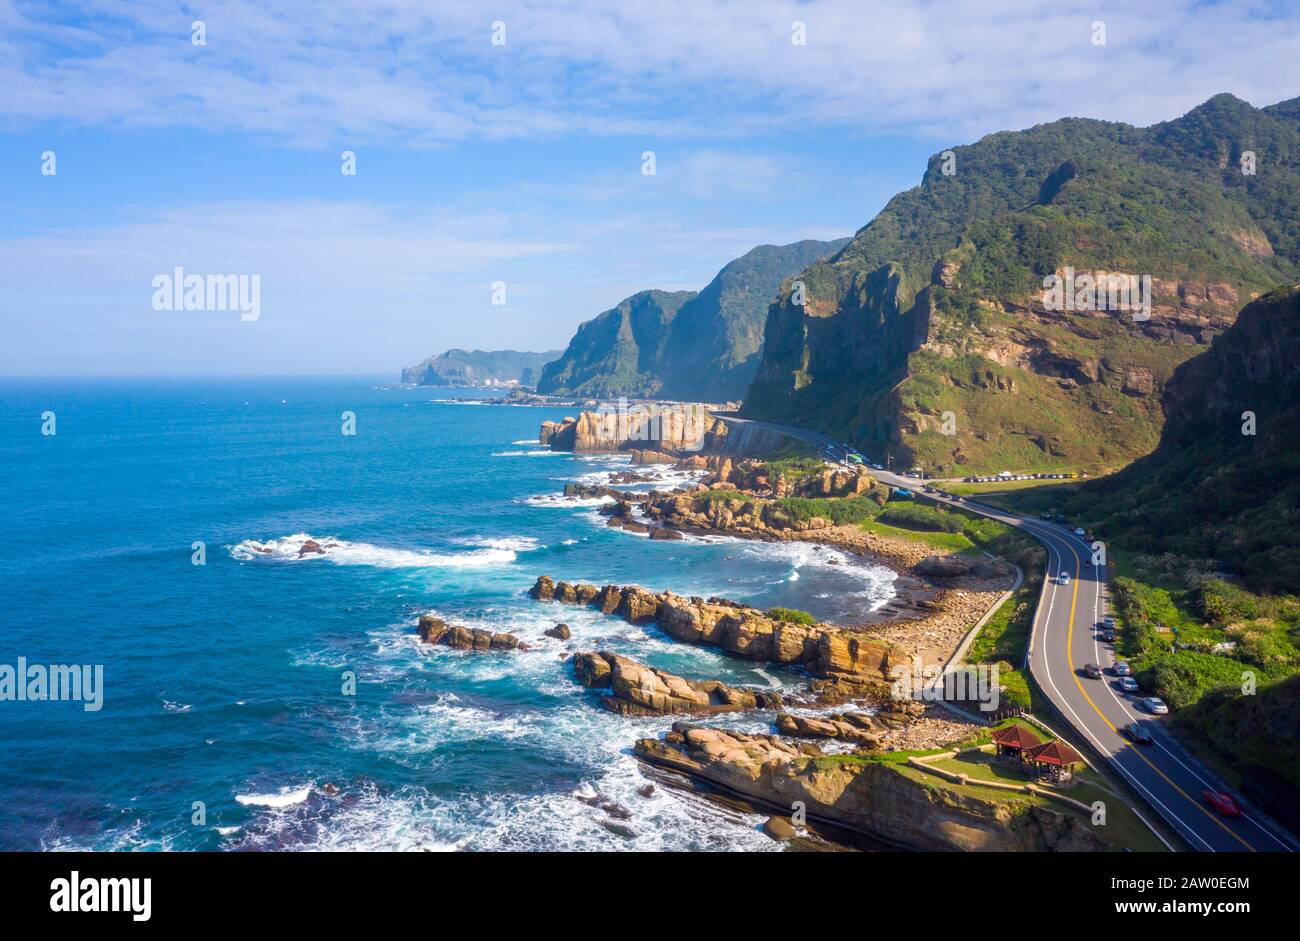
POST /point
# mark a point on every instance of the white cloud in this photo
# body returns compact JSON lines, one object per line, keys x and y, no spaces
{"x":345,"y":286}
{"x":421,"y":74}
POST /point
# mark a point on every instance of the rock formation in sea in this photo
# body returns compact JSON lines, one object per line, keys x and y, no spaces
{"x":738,"y":629}
{"x":434,"y":630}
{"x":640,"y":690}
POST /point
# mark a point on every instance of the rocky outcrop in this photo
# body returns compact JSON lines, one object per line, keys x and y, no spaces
{"x":737,"y":629}
{"x":434,"y":630}
{"x":755,"y":477}
{"x":869,"y":797}
{"x":639,"y":690}
{"x":559,"y":632}
{"x":312,"y":547}
{"x":660,"y":428}
{"x":862,"y":728}
{"x":954,"y":566}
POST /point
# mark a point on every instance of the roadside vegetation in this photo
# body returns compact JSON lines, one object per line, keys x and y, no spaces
{"x":1216,"y":654}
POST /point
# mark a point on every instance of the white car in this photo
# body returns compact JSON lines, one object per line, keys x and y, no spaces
{"x":1122,"y":668}
{"x":1078,"y":531}
{"x":1155,"y":705}
{"x":1128,"y":684}
{"x":1063,"y":578}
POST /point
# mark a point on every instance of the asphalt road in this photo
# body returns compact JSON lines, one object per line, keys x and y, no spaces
{"x":1066,"y":635}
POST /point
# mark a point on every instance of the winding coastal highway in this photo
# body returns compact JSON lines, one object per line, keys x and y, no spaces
{"x":1066,"y":635}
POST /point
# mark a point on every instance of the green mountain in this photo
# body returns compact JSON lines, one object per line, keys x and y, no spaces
{"x":478,"y":367}
{"x":1211,"y":491}
{"x":683,"y":345}
{"x":937,"y":306}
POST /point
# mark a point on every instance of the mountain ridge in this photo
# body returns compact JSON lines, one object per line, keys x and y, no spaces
{"x":934,"y":311}
{"x":457,"y":367}
{"x":684,"y":345}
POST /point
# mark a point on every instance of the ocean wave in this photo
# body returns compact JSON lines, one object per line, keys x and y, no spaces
{"x":560,"y":501}
{"x":285,"y":797}
{"x":343,"y":552}
{"x":535,"y":453}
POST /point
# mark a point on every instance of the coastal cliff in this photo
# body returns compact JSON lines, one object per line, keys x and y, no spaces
{"x":936,"y":308}
{"x":874,"y":798}
{"x":682,"y":345}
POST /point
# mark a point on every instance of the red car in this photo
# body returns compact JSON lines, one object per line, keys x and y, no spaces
{"x":1222,"y":802}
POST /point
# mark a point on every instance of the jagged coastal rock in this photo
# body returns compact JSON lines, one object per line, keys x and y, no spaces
{"x":735,"y":628}
{"x":639,"y":690}
{"x":434,"y":630}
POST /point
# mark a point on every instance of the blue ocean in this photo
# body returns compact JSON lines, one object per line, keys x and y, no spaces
{"x":227,"y":720}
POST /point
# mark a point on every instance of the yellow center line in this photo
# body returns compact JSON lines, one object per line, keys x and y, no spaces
{"x":1069,"y":656}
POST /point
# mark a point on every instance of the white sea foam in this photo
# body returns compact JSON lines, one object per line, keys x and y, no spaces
{"x":560,"y":501}
{"x":535,"y":453}
{"x":285,"y":797}
{"x":343,"y":552}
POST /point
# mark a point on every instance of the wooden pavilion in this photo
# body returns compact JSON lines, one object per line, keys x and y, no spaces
{"x":1013,"y":740}
{"x":1054,"y":760}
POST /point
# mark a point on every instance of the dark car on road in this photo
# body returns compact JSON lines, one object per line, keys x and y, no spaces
{"x":1092,"y":671}
{"x":1135,"y":734}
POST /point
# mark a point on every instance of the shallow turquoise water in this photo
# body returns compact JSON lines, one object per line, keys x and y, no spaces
{"x":223,"y":682}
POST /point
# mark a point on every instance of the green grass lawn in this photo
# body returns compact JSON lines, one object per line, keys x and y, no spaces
{"x":953,"y":542}
{"x":1123,"y":828}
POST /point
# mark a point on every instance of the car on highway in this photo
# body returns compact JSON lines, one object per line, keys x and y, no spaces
{"x":1136,"y":734}
{"x":1128,"y":684}
{"x":1122,"y":668}
{"x":1223,"y":802}
{"x":1078,"y":530}
{"x":1108,"y":622}
{"x":1155,"y":705}
{"x":1063,"y":578}
{"x":1108,"y":636}
{"x":1092,"y":671}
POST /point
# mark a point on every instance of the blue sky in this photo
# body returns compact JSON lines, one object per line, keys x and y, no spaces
{"x":518,"y":162}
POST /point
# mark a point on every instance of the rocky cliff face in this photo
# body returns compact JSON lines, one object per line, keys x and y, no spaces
{"x":869,"y":797}
{"x":928,"y":339}
{"x":683,"y":345}
{"x":657,"y":428}
{"x":1224,"y":483}
{"x":478,"y":368}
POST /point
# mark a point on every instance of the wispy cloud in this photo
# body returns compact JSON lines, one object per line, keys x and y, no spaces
{"x":419,"y":74}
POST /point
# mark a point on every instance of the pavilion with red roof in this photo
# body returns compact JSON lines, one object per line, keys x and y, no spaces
{"x":1013,"y":740}
{"x":1053,"y":759}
